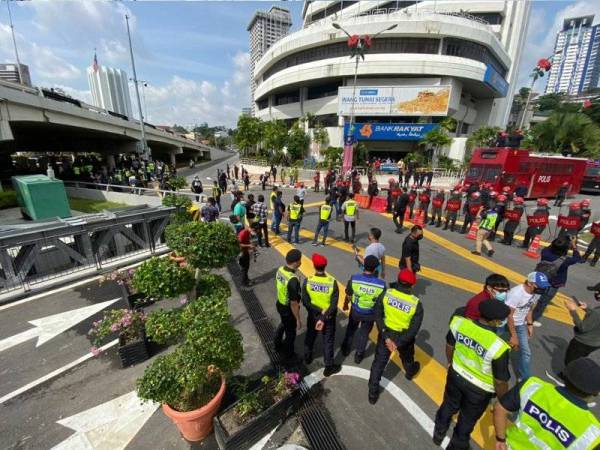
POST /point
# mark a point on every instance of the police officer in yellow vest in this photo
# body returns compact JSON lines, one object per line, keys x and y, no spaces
{"x":363,"y":289}
{"x":288,"y":304}
{"x":295,"y":212}
{"x":350,"y":210}
{"x":324,"y":219}
{"x":399,"y":315}
{"x":320,"y":297}
{"x":478,"y":370}
{"x":551,"y":417}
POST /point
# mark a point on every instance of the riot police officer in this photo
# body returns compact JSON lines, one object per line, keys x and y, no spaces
{"x":320,"y":297}
{"x":551,"y":417}
{"x":424,"y":200}
{"x":436,"y":208}
{"x":473,"y":206}
{"x":561,"y":195}
{"x":362,"y":290}
{"x":479,"y":361}
{"x":399,"y":315}
{"x":511,"y":224}
{"x":574,"y":211}
{"x":500,"y":206}
{"x":452,"y":207}
{"x":541,"y":210}
{"x":288,"y":303}
{"x":586,"y":213}
{"x":412,"y":197}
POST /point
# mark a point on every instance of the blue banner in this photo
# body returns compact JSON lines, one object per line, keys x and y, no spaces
{"x":390,"y":131}
{"x":496,"y":81}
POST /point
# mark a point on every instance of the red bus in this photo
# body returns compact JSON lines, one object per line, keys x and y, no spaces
{"x":591,"y":179}
{"x":536,"y":174}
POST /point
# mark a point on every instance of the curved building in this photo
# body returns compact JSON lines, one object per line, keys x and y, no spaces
{"x":438,"y":61}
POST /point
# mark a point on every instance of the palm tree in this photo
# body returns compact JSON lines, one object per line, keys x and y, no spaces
{"x":435,"y":140}
{"x":567,"y":133}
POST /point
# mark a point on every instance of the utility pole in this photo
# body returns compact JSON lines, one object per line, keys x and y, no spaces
{"x":145,"y":148}
{"x":12,"y":30}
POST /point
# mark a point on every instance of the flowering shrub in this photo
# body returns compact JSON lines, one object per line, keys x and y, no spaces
{"x":353,"y":41}
{"x":161,"y":278}
{"x":544,"y":64}
{"x":128,"y":323}
{"x":121,"y":277}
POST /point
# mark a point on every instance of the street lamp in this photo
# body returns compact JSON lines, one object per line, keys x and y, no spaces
{"x":144,"y":84}
{"x":358,"y":46}
{"x":12,"y":30}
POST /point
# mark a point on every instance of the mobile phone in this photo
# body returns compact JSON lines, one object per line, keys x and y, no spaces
{"x":576,"y":300}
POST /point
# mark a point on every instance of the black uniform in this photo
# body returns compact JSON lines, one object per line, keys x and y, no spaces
{"x":451,"y":215}
{"x":328,"y":331}
{"x":412,"y":194}
{"x":424,"y":200}
{"x":571,"y":231}
{"x":561,"y":195}
{"x":500,"y":207}
{"x":288,"y":323}
{"x":404,"y":340}
{"x":533,"y":231}
{"x":436,"y":211}
{"x":511,"y":225}
{"x":470,"y":216}
{"x":594,"y":248}
{"x":400,"y":210}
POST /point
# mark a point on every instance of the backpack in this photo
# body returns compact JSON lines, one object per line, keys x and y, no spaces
{"x":549,"y":268}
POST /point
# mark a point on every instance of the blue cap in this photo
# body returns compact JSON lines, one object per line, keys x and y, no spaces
{"x":540,"y":279}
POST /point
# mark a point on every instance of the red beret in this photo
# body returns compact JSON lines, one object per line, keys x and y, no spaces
{"x":319,"y":261}
{"x":407,"y":276}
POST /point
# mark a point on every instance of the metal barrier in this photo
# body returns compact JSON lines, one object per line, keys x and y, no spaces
{"x":37,"y":252}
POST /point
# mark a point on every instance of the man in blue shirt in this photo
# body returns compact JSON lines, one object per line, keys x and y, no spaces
{"x":278,"y":211}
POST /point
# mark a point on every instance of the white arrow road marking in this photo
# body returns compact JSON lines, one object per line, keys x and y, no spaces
{"x":109,"y":426}
{"x":48,"y":327}
{"x":409,"y":405}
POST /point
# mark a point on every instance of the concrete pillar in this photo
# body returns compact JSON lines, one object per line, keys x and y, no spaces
{"x":110,"y":162}
{"x":172,"y":155}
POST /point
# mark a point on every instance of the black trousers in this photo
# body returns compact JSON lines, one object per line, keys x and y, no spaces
{"x":594,"y":248}
{"x":424,"y":207}
{"x":245,"y":265}
{"x":358,"y":322}
{"x":530,"y":234}
{"x":353,"y":226}
{"x":382,"y":355}
{"x":470,"y":403}
{"x":436,"y":213}
{"x":577,"y":350}
{"x":262,"y":231}
{"x":398,"y":218}
{"x":285,"y":335}
{"x":492,"y":234}
{"x":450,"y":220}
{"x":467,"y":223}
{"x":509,"y":231}
{"x":328,"y":333}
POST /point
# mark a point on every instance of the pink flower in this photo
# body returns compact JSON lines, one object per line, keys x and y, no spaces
{"x":114,"y":327}
{"x":353,"y":41}
{"x":95,"y":351}
{"x":183,"y":301}
{"x":544,"y":64}
{"x":587,"y":104}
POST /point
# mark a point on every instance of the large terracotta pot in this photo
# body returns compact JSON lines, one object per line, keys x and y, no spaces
{"x":197,"y":424}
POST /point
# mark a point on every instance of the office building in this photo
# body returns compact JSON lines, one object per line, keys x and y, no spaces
{"x":575,"y":62}
{"x":439,"y":61}
{"x":265,"y":29}
{"x":10,"y":72}
{"x":110,"y":89}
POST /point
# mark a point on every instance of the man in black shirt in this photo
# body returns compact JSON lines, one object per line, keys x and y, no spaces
{"x":400,"y":210}
{"x":410,"y":250}
{"x":288,"y":303}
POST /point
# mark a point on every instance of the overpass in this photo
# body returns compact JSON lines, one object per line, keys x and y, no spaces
{"x":39,"y":120}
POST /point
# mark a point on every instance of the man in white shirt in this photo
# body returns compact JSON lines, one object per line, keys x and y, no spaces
{"x":301,"y":193}
{"x":522,"y":299}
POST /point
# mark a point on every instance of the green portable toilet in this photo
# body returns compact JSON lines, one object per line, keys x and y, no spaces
{"x":41,"y":197}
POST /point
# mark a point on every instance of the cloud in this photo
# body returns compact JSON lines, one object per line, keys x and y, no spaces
{"x":540,"y":40}
{"x":241,"y":74}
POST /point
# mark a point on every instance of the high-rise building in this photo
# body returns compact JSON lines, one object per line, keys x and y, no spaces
{"x":265,"y":29}
{"x":10,"y":72}
{"x":110,"y":89}
{"x":576,"y":63}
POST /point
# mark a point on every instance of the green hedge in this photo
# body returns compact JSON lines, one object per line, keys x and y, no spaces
{"x":8,"y":199}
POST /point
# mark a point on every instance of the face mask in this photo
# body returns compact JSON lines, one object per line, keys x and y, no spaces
{"x":419,"y":237}
{"x":500,"y":296}
{"x":539,"y":291}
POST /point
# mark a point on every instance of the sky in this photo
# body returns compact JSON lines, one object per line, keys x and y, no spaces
{"x":193,"y":54}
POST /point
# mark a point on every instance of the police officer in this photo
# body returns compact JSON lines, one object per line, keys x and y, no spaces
{"x":473,"y":206}
{"x":324,"y":219}
{"x":412,"y":197}
{"x":454,"y":201}
{"x":550,"y":417}
{"x":500,"y":206}
{"x":320,"y":297}
{"x":561,"y":195}
{"x":586,"y":213}
{"x":295,"y":212}
{"x":216,"y":194}
{"x":485,"y":194}
{"x":574,"y":211}
{"x":478,"y":369}
{"x":436,"y":208}
{"x":507,"y":192}
{"x":511,"y":225}
{"x":362,"y":290}
{"x":350,"y":210}
{"x":424,"y":200}
{"x":541,"y":210}
{"x":399,"y":315}
{"x":593,"y":247}
{"x":288,"y":303}
{"x":400,"y":209}
{"x":489,"y":216}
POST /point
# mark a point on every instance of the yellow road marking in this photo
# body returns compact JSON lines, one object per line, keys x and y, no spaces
{"x":431,"y":379}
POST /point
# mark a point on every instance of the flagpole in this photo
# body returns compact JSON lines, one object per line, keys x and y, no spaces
{"x":145,"y":148}
{"x":12,"y":30}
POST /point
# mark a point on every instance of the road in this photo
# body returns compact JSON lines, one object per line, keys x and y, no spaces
{"x":33,"y":403}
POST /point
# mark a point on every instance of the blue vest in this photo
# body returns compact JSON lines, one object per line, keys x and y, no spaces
{"x":367,"y":280}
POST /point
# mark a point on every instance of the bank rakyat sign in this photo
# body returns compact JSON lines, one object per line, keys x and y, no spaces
{"x":390,"y":131}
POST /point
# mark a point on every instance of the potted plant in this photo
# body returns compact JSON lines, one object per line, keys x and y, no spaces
{"x":258,"y":411}
{"x":129,"y":324}
{"x":124,"y":278}
{"x":190,"y":381}
{"x":160,"y":278}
